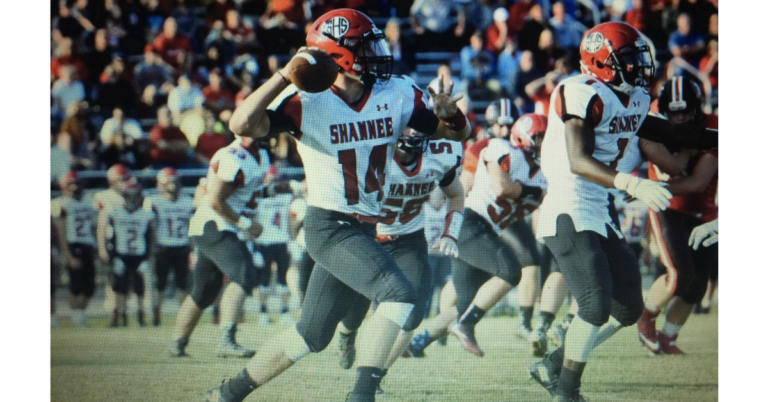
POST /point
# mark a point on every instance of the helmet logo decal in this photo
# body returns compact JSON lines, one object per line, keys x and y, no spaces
{"x":526,"y":124}
{"x":336,"y":27}
{"x":593,"y":42}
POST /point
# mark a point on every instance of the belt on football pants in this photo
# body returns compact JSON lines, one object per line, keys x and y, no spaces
{"x":365,"y":218}
{"x":384,"y":239}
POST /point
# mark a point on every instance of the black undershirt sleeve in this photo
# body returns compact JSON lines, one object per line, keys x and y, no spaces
{"x":663,"y":131}
{"x":424,"y":121}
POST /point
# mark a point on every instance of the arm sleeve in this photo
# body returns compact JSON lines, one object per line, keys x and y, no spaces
{"x":576,"y":100}
{"x":682,"y":135}
{"x":450,"y":175}
{"x":422,"y":119}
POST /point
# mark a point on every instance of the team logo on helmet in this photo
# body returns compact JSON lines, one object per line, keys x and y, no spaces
{"x":336,"y":27}
{"x":593,"y":42}
{"x":526,"y":123}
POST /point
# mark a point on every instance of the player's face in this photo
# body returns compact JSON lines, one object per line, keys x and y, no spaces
{"x":133,"y":202}
{"x":501,"y":130}
{"x":680,"y":117}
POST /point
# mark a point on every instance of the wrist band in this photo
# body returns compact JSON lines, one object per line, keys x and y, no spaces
{"x":530,"y":191}
{"x":244,"y":223}
{"x":453,"y":223}
{"x":284,"y":79}
{"x":456,"y":122}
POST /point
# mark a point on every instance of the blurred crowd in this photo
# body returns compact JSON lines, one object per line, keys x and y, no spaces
{"x":152,"y":83}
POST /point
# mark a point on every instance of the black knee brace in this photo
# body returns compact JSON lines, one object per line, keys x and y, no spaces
{"x":204,"y":291}
{"x":595,"y":308}
{"x":394,"y":287}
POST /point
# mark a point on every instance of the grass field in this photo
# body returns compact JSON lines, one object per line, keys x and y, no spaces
{"x":128,"y":364}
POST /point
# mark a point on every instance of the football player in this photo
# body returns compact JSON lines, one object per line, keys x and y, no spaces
{"x":233,"y":185}
{"x":688,"y":270}
{"x":420,"y":167}
{"x":132,"y":242}
{"x":592,"y":118}
{"x":75,"y":222}
{"x":172,"y":213}
{"x":346,"y":138}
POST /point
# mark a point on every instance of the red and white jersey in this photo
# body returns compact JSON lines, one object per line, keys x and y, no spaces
{"x":616,"y":121}
{"x":434,"y":224}
{"x":346,"y":149}
{"x":130,"y":230}
{"x":172,"y":219}
{"x":80,"y":218}
{"x":408,"y":190}
{"x":232,"y":163}
{"x":521,"y":168}
{"x":106,"y":199}
{"x":273,"y":216}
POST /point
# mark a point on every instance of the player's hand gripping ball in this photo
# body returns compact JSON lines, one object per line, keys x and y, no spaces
{"x":312,"y":70}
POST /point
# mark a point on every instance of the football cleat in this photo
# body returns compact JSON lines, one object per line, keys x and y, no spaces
{"x":347,"y":351}
{"x":215,"y":395}
{"x":646,"y":329}
{"x":546,"y":373}
{"x":228,"y":348}
{"x":466,"y":335}
{"x":556,"y":335}
{"x":538,"y":341}
{"x":523,"y":332}
{"x":178,"y":348}
{"x":668,"y":344}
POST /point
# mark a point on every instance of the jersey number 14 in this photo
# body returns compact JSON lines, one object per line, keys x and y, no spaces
{"x":374,"y":175}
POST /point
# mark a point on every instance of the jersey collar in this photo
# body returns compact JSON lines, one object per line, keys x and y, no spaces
{"x":407,"y":171}
{"x":359,"y":105}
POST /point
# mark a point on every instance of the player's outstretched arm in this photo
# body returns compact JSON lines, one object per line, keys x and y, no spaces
{"x":448,"y":242}
{"x":660,"y":130}
{"x":453,"y":124}
{"x":659,"y":155}
{"x":697,"y":182}
{"x":101,"y":236}
{"x":221,"y":191}
{"x":501,"y":185}
{"x":250,"y":118}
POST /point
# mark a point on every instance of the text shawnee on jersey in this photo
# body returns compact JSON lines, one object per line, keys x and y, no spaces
{"x":407,"y":191}
{"x":80,"y":217}
{"x":346,"y":149}
{"x":232,"y":163}
{"x":499,"y":211}
{"x":172,"y":219}
{"x":615,"y":124}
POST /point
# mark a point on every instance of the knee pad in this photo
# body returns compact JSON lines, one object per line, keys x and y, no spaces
{"x":628,"y":315}
{"x":416,"y":316}
{"x":294,"y":345}
{"x":204,"y":294}
{"x":509,"y":272}
{"x":595,"y":308}
{"x":396,"y":312}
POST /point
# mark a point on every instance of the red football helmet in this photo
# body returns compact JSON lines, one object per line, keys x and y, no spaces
{"x":353,"y":40}
{"x":528,"y":133}
{"x":68,"y":178}
{"x":168,"y":180}
{"x":617,"y":54}
{"x":118,"y":173}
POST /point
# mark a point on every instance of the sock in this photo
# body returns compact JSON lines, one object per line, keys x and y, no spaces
{"x":607,"y":330}
{"x":472,"y":316}
{"x":238,"y":387}
{"x":570,"y":382}
{"x":580,"y":340}
{"x":422,"y":340}
{"x":670,"y":329}
{"x":368,"y":379}
{"x":546,"y":320}
{"x":228,"y":329}
{"x":527,"y":313}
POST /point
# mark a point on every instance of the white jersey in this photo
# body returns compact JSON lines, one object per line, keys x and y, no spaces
{"x":80,"y":218}
{"x":232,"y":163}
{"x":130,"y":229}
{"x":273,"y":216}
{"x":616,"y":123}
{"x":408,"y":190}
{"x":519,"y":167}
{"x":106,"y":199}
{"x":434,"y":224}
{"x":172,"y":219}
{"x":346,"y":149}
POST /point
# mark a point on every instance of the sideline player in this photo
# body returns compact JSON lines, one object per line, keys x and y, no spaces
{"x":592,"y":118}
{"x":132,"y":240}
{"x":172,"y":213}
{"x":233,"y":184}
{"x":420,"y":167}
{"x":75,"y":220}
{"x":347,"y":136}
{"x":688,"y":270}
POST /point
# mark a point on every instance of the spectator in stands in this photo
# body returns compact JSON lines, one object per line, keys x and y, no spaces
{"x":435,"y":28}
{"x":66,"y":56}
{"x":280,"y":35}
{"x":153,"y":70}
{"x":59,"y":156}
{"x":124,"y":149}
{"x":497,"y":33}
{"x":120,"y":122}
{"x":568,"y":30}
{"x":686,"y":43}
{"x":77,"y":134}
{"x":169,"y":145}
{"x":99,"y":57}
{"x":291,"y":10}
{"x":148,"y":103}
{"x":528,"y":72}
{"x":616,"y":9}
{"x":184,"y":97}
{"x":184,"y":18}
{"x":218,"y":97}
{"x":239,"y":33}
{"x":540,"y":91}
{"x":535,"y":24}
{"x":245,"y":90}
{"x":637,"y":15}
{"x":225,"y":49}
{"x":69,"y":24}
{"x":65,"y":91}
{"x":132,"y":20}
{"x":213,"y":139}
{"x":477,"y":14}
{"x":699,"y":12}
{"x":477,"y":68}
{"x":547,"y":52}
{"x":174,"y":48}
{"x":444,"y":72}
{"x":217,"y":10}
{"x":402,"y":48}
{"x":114,"y":91}
{"x":518,"y":12}
{"x":508,"y":65}
{"x":708,"y":67}
{"x":712,"y":30}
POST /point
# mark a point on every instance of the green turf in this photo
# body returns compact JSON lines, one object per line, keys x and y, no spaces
{"x":129,"y":364}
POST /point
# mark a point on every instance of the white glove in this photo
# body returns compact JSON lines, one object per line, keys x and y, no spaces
{"x":704,"y":234}
{"x":447,"y":246}
{"x":653,"y":193}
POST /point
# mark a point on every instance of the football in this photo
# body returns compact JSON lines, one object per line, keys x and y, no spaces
{"x":313,"y":71}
